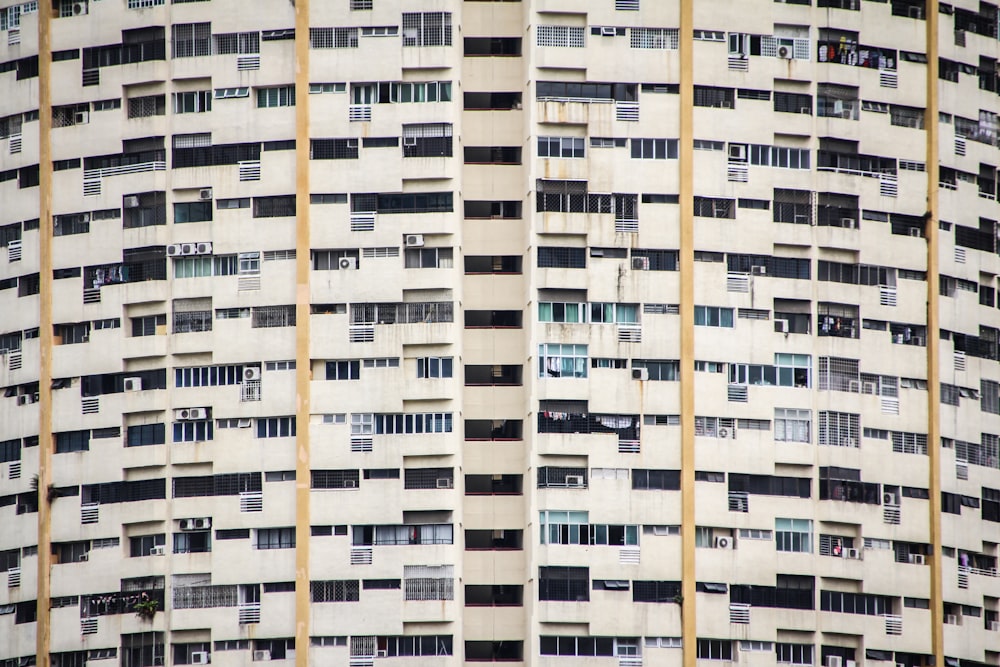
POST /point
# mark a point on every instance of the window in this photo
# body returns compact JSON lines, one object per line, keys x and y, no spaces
{"x":654,"y":149}
{"x":343,"y":370}
{"x":564,"y":584}
{"x":792,"y":425}
{"x":715,"y":649}
{"x":146,"y":434}
{"x":656,"y":591}
{"x":275,"y":538}
{"x":793,"y":535}
{"x":571,"y":147}
{"x":709,"y":96}
{"x":841,"y":429}
{"x":559,"y":35}
{"x":434,"y":367}
{"x":193,"y":431}
{"x":334,"y":591}
{"x":147,"y":106}
{"x":427,"y":29}
{"x":281,"y":96}
{"x":143,"y":545}
{"x":666,"y":371}
{"x":562,"y":257}
{"x":794,"y":206}
{"x":562,"y":360}
{"x":658,"y":480}
{"x":195,"y":211}
{"x":333,"y":38}
{"x":428,"y":258}
{"x":714,"y":207}
{"x":427,"y":140}
{"x":794,"y":654}
{"x":275,"y":427}
{"x":713,"y":316}
{"x":793,"y":103}
{"x":191,"y":39}
{"x":198,"y":101}
{"x":195,"y":542}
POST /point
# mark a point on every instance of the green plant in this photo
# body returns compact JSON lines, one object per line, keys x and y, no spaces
{"x":145,"y":608}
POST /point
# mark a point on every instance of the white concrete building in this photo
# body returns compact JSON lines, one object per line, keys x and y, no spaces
{"x":597,"y":332}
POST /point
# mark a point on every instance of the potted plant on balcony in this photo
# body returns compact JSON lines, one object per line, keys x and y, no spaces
{"x":145,"y":608}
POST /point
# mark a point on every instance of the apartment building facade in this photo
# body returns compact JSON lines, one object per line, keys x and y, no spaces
{"x":398,"y":332}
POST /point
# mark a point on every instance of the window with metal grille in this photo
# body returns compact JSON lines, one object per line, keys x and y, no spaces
{"x":335,"y":479}
{"x":333,"y":38}
{"x":841,"y":429}
{"x":794,"y":206}
{"x":191,"y":39}
{"x":427,"y":29}
{"x":714,"y":207}
{"x":236,"y":43}
{"x":142,"y":649}
{"x":656,"y":591}
{"x":837,"y":101}
{"x":333,"y":149}
{"x":144,"y":210}
{"x":560,"y":257}
{"x":560,"y":35}
{"x":839,"y":374}
{"x":564,"y":584}
{"x":654,"y":38}
{"x":361,"y":4}
{"x":262,"y":317}
{"x":427,"y":140}
{"x":558,"y":477}
{"x":428,"y":478}
{"x":793,"y":103}
{"x":280,"y":96}
{"x":657,"y":260}
{"x":709,"y":96}
{"x":226,"y":484}
{"x":274,"y":207}
{"x":191,"y":315}
{"x":334,"y":591}
{"x":429,"y":582}
{"x":67,"y":225}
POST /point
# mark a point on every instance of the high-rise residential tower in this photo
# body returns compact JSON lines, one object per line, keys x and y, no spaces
{"x":552,"y":332}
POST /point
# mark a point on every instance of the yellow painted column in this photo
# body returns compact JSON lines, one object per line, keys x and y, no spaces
{"x":686,"y":261}
{"x":45,"y":336}
{"x":303,"y":371}
{"x":933,"y":336}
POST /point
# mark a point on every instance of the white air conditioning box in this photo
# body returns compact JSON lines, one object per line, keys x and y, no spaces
{"x":132,"y":384}
{"x":723,"y":542}
{"x":205,"y":194}
{"x":347,"y":263}
{"x":173,"y":250}
{"x":574,"y":480}
{"x":443,"y":483}
{"x":640,"y":374}
{"x":189,"y":414}
{"x":203,"y":248}
{"x":199,"y":657}
{"x":131,"y":201}
{"x":189,"y":248}
{"x":159,"y":550}
{"x":414,"y":240}
{"x":251,"y":373}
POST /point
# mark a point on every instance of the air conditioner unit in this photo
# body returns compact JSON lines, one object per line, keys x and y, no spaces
{"x":81,"y":117}
{"x":640,"y":263}
{"x":641,"y":374}
{"x":34,"y":397}
{"x":889,"y":498}
{"x":951,"y":619}
{"x":852,"y":553}
{"x":83,"y":558}
{"x":132,"y":384}
{"x":917,"y":559}
{"x":723,"y":432}
{"x":350,"y":484}
{"x":726,"y":104}
{"x":23,"y":399}
{"x":850,"y":663}
{"x":188,"y":414}
{"x":205,"y":193}
{"x":574,"y":480}
{"x":79,"y":8}
{"x":443,"y":483}
{"x":345,"y":263}
{"x":189,"y":248}
{"x":131,"y":201}
{"x":251,"y":373}
{"x":758,"y":270}
{"x":414,"y":240}
{"x":993,"y":626}
{"x":187,"y":524}
{"x":806,"y":110}
{"x":801,"y":219}
{"x":784,"y":52}
{"x":158,"y":551}
{"x":203,"y":524}
{"x":608,"y":31}
{"x":867,"y":387}
{"x":723,"y":542}
{"x":173,"y":249}
{"x":834,"y":661}
{"x":382,"y":653}
{"x":261,"y":655}
{"x":738,"y":152}
{"x":409,"y":141}
{"x":199,"y":657}
{"x":915,"y":231}
{"x":203,"y":248}
{"x":847,"y":223}
{"x":781,"y":326}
